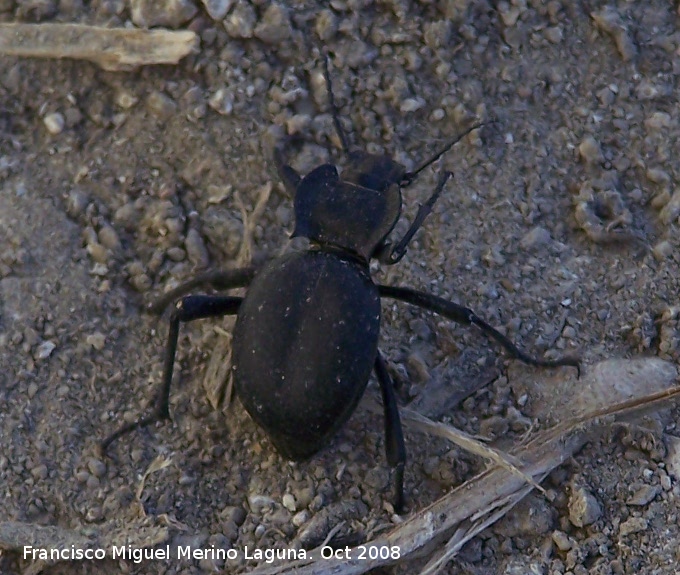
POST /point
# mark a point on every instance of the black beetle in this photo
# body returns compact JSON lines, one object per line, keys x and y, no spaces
{"x":306,"y":335}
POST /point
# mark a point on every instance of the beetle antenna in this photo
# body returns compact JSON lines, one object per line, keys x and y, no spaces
{"x":409,"y":177}
{"x":334,"y":109}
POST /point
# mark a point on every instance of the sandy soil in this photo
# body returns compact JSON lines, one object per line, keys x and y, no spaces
{"x":560,"y":228}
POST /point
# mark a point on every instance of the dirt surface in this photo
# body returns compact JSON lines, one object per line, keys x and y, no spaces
{"x":560,"y":228}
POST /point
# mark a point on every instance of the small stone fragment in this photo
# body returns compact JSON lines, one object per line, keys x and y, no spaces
{"x":658,"y":176}
{"x":222,"y":101}
{"x":97,"y":340}
{"x":662,"y":250}
{"x":326,"y":25}
{"x":411,"y":105}
{"x":160,"y":105}
{"x":44,"y":350}
{"x":168,"y":13}
{"x":589,"y":149}
{"x":54,"y":123}
{"x":125,"y":99}
{"x":644,"y":495}
{"x":196,"y":250}
{"x":562,"y":540}
{"x":671,"y":210}
{"x":669,"y":333}
{"x":275,"y":26}
{"x":584,"y":509}
{"x":108,"y":237}
{"x":258,"y":503}
{"x":241,"y":22}
{"x":535,"y":238}
{"x":554,"y":34}
{"x":657,"y":121}
{"x":437,"y":34}
{"x":633,"y":525}
{"x":609,"y":21}
{"x":96,"y":467}
{"x":217,"y":9}
{"x":76,"y":202}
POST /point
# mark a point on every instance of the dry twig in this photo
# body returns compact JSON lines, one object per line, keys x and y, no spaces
{"x":111,"y":48}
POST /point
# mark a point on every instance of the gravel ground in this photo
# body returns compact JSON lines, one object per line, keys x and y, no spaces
{"x":560,"y":228}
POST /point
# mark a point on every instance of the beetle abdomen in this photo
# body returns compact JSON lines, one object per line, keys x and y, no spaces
{"x":305,"y":342}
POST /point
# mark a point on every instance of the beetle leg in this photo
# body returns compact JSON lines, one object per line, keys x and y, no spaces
{"x":399,"y":250}
{"x":290,"y":178}
{"x":187,"y":309}
{"x":394,"y":436}
{"x":220,"y":280}
{"x":466,"y":316}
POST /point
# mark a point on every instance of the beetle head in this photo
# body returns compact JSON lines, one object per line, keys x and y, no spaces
{"x":372,"y":171}
{"x":355,"y":213}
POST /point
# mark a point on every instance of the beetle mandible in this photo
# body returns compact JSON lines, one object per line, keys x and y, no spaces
{"x":306,"y":335}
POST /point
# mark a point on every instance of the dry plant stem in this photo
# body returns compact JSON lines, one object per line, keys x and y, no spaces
{"x":415,"y":420}
{"x":476,"y":504}
{"x":421,"y":423}
{"x":111,"y":48}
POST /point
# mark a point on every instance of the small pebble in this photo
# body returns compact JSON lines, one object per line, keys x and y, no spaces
{"x":274,"y":27}
{"x":644,"y":495}
{"x":584,"y":509}
{"x":657,"y":121}
{"x":196,"y":250}
{"x":125,"y":99}
{"x":509,"y":14}
{"x":671,"y":210}
{"x":108,"y":237}
{"x":554,"y":34}
{"x":98,"y":252}
{"x":535,"y":238}
{"x":633,"y":525}
{"x":301,"y":518}
{"x":32,"y":390}
{"x":222,"y":101}
{"x":657,"y":175}
{"x":241,"y":21}
{"x":561,"y":539}
{"x":410,"y":105}
{"x":39,"y":471}
{"x":589,"y":150}
{"x":217,"y":9}
{"x":44,"y":350}
{"x":665,"y":481}
{"x":437,"y":34}
{"x":662,"y":250}
{"x":258,"y":503}
{"x":127,"y":216}
{"x":326,"y":25}
{"x":609,"y":20}
{"x":54,"y":123}
{"x":234,"y":513}
{"x":96,"y":467}
{"x":97,"y":340}
{"x":170,"y":13}
{"x":76,"y":202}
{"x":569,"y":332}
{"x":160,"y":105}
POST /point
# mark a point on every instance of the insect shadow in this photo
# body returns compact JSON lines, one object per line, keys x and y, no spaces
{"x":306,"y":335}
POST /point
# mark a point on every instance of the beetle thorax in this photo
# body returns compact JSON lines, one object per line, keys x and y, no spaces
{"x":354,"y":213}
